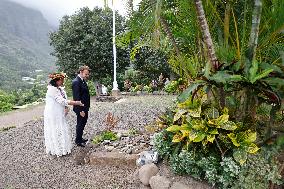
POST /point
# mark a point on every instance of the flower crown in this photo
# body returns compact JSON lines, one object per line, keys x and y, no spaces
{"x":57,"y":75}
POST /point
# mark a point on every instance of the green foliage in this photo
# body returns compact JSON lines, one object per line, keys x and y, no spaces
{"x":85,"y":38}
{"x":6,"y":101}
{"x":258,"y":171}
{"x":147,"y":89}
{"x":105,"y":135}
{"x":163,"y":143}
{"x":171,"y":87}
{"x":151,"y":63}
{"x":195,"y":122}
{"x":92,"y":89}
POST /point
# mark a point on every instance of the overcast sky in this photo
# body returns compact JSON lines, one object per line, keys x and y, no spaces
{"x":53,"y":10}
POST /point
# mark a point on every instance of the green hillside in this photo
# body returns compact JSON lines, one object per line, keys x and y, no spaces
{"x":24,"y":45}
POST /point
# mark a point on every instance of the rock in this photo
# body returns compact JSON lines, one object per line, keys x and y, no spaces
{"x":112,"y":159}
{"x":115,"y":144}
{"x":129,"y":151}
{"x":118,"y":135}
{"x":146,"y":172}
{"x":159,"y":182}
{"x":106,"y":142}
{"x":147,"y":157}
{"x":109,"y":148}
{"x":179,"y":185}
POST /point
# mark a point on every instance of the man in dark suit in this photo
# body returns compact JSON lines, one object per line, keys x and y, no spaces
{"x":81,"y":93}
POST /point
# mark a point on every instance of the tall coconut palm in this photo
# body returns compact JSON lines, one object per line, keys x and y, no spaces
{"x":206,"y":34}
{"x":254,"y":30}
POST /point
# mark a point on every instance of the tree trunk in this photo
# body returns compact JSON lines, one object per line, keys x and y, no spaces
{"x":105,"y":4}
{"x":170,"y":35}
{"x":129,"y":7}
{"x":254,"y":30}
{"x":206,"y":34}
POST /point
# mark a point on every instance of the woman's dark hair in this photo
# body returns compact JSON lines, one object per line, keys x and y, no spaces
{"x":53,"y":82}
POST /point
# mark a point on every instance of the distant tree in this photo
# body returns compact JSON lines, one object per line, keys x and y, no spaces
{"x":151,"y":63}
{"x":85,"y":38}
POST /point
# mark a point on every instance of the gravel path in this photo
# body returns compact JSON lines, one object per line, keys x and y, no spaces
{"x":24,"y":163}
{"x":18,"y":118}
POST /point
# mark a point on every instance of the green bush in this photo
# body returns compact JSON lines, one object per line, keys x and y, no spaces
{"x":171,"y":87}
{"x":6,"y":101}
{"x":147,"y":89}
{"x":200,"y":140}
{"x":105,"y":135}
{"x":258,"y":171}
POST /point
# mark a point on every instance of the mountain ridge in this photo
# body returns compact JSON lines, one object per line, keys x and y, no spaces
{"x":24,"y":45}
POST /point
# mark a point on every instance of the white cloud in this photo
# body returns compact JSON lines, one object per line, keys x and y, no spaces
{"x":53,"y":10}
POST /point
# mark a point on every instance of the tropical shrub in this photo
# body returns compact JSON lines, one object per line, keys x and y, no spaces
{"x":171,"y":87}
{"x":6,"y":101}
{"x":147,"y":89}
{"x":105,"y":135}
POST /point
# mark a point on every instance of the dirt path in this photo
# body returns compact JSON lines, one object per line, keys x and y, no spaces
{"x":18,"y":118}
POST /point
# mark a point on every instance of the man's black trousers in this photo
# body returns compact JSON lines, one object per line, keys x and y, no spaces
{"x":81,"y":122}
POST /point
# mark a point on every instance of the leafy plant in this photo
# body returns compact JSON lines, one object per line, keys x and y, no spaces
{"x":172,"y":87}
{"x":195,"y":122}
{"x":105,"y":135}
{"x":111,"y":121}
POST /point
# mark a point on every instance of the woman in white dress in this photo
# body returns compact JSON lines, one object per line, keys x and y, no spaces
{"x":57,"y":134}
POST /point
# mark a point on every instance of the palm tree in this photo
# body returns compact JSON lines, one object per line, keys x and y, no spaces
{"x":254,"y":30}
{"x":206,"y":34}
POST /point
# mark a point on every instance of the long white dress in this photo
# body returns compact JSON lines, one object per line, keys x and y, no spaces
{"x":57,"y":134}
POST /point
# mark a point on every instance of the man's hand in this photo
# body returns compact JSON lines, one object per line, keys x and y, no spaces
{"x":82,"y":113}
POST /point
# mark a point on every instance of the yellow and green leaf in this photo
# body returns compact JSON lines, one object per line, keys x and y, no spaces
{"x":252,"y":148}
{"x":233,"y":138}
{"x":174,"y":128}
{"x":229,"y":125}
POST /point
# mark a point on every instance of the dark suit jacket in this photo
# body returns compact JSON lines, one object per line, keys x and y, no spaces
{"x":80,"y":93}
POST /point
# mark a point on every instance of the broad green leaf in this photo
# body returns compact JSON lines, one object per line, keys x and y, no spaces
{"x":213,"y":132}
{"x":279,"y":82}
{"x":266,"y":66}
{"x":199,"y":137}
{"x":212,"y":113}
{"x":211,"y":138}
{"x":179,"y":113}
{"x":185,"y":127}
{"x":253,"y":70}
{"x":224,"y":77}
{"x":250,"y":137}
{"x":192,"y":135}
{"x":229,"y":125}
{"x":265,"y":73}
{"x":187,"y":93}
{"x":173,"y":128}
{"x":195,"y":112}
{"x":185,"y":133}
{"x":252,"y":148}
{"x":233,"y":138}
{"x":240,"y":156}
{"x":198,"y":125}
{"x":219,"y":121}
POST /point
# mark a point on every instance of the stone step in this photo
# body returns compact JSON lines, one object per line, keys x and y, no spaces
{"x":113,"y":159}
